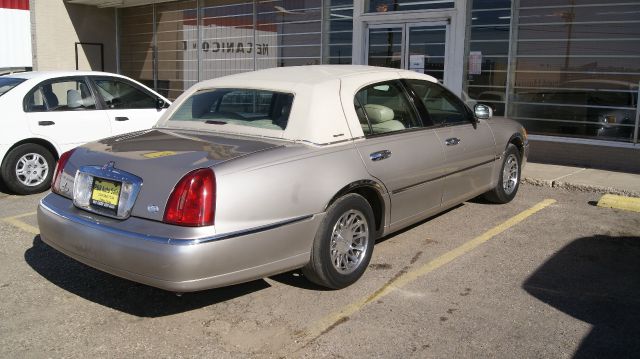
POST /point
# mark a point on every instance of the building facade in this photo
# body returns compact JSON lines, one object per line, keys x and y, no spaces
{"x":563,"y":68}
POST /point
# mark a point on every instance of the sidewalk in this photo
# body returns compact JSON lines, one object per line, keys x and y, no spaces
{"x":582,"y":179}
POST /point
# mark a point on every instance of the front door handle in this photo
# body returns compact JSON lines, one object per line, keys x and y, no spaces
{"x":46,"y":123}
{"x":380,"y":155}
{"x":122,"y":119}
{"x":452,"y":141}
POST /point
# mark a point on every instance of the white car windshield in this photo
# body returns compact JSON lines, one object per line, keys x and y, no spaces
{"x":245,"y":107}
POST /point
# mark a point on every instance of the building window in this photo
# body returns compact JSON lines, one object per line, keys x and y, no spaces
{"x":406,"y":5}
{"x":573,"y":69}
{"x":191,"y":41}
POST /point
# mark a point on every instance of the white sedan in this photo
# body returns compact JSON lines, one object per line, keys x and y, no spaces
{"x":44,"y":114}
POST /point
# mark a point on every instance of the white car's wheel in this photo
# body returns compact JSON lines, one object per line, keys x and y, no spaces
{"x":28,"y":169}
{"x":343,"y":245}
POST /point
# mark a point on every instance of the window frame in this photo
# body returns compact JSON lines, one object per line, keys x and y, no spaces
{"x":85,"y":79}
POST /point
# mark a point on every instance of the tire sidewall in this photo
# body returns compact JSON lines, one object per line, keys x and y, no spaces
{"x":323,"y":240}
{"x":9,"y":165}
{"x":504,"y":197}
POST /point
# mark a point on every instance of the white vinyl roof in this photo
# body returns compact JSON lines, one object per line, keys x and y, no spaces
{"x":322,"y":111}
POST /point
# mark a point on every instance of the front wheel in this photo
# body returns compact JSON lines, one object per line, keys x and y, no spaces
{"x":509,"y":180}
{"x":343,"y":244}
{"x":28,"y":168}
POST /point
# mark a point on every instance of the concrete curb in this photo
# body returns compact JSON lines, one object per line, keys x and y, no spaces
{"x":579,"y":187}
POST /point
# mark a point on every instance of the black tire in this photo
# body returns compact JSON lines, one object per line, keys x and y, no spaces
{"x":44,"y":164}
{"x":321,"y":269}
{"x":503,"y":193}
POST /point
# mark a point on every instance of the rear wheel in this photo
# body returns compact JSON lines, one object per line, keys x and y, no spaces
{"x":343,"y":244}
{"x":28,"y":169}
{"x":509,"y":180}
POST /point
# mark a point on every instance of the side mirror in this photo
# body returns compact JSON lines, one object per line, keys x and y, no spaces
{"x":160,"y":104}
{"x":483,"y":112}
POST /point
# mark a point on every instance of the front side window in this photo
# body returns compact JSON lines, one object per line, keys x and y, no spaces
{"x":384,"y":108}
{"x":7,"y":83}
{"x":120,"y":95}
{"x":62,"y":95}
{"x":246,"y":107}
{"x":443,"y":106}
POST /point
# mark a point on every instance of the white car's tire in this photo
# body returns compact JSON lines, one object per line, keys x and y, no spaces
{"x":28,"y":168}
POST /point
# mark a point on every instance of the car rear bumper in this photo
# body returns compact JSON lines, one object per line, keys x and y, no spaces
{"x":155,"y":256}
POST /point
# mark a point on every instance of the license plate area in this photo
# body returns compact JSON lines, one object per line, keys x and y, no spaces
{"x":105,"y":194}
{"x":106,"y":190}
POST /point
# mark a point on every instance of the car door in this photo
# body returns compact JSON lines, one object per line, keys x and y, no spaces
{"x":469,"y":145}
{"x":128,"y":106}
{"x":400,"y":151}
{"x":65,"y":111}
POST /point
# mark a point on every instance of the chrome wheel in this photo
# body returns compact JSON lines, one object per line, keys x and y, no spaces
{"x":510,"y":174}
{"x":32,"y":169}
{"x":349,"y":241}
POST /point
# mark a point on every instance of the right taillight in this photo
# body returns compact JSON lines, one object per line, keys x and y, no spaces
{"x":192,"y":202}
{"x":62,"y":161}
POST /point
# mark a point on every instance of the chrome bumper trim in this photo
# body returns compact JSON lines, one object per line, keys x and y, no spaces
{"x":166,"y":240}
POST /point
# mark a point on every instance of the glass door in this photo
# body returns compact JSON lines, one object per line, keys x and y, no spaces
{"x":419,"y":47}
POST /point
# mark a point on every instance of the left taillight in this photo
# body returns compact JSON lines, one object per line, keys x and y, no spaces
{"x":55,"y":182}
{"x":192,"y":202}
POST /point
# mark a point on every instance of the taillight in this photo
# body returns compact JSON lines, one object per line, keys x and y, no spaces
{"x":55,"y":181}
{"x":192,"y":202}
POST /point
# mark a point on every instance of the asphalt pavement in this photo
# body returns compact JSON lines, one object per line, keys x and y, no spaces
{"x":548,"y":275}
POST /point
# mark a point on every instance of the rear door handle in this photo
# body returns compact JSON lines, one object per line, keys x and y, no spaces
{"x":46,"y":123}
{"x":120,"y":119}
{"x":380,"y":155}
{"x":452,"y":141}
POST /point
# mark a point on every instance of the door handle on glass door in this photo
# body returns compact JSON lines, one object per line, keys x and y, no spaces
{"x":380,"y":155}
{"x":122,"y":118}
{"x":46,"y":123}
{"x":452,"y":141}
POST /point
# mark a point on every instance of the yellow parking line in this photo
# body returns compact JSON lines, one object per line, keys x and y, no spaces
{"x":16,"y":222}
{"x":330,"y":321}
{"x":620,"y":202}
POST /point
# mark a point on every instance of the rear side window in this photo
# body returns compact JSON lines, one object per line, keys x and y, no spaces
{"x":383,"y":108}
{"x":246,"y":107}
{"x":7,"y":83}
{"x":62,"y":95}
{"x":121,"y":95}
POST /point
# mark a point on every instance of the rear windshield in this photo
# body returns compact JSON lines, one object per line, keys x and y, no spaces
{"x":245,"y":107}
{"x":7,"y":83}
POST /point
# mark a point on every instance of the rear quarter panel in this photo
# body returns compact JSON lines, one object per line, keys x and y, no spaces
{"x":282,"y":184}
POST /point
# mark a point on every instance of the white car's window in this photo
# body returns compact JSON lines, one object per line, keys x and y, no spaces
{"x":383,"y":108}
{"x":443,"y":106}
{"x":246,"y":107}
{"x":120,"y":95}
{"x":62,"y":95}
{"x":7,"y":83}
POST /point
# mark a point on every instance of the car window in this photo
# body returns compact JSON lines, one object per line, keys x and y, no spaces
{"x":384,"y":108}
{"x":61,"y":95}
{"x":246,"y":107}
{"x":7,"y":83}
{"x":121,"y":95}
{"x":443,"y":106}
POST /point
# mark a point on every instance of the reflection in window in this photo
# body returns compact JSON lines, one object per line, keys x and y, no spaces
{"x":200,"y":40}
{"x":406,"y":5}
{"x":120,"y":95}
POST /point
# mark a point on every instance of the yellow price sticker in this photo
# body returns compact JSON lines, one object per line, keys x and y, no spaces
{"x":159,"y":154}
{"x":106,"y":193}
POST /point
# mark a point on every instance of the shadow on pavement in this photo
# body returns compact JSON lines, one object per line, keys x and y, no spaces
{"x":120,"y":294}
{"x":596,"y":280}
